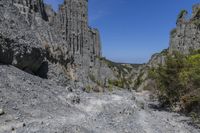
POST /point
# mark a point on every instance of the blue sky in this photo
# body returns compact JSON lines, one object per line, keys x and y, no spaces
{"x":132,"y":30}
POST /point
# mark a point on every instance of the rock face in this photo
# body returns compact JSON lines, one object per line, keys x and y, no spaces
{"x":184,"y":39}
{"x":20,"y":55}
{"x":19,"y":45}
{"x":31,"y":6}
{"x":34,"y":37}
{"x":83,"y":42}
{"x":72,"y":22}
{"x":186,"y":36}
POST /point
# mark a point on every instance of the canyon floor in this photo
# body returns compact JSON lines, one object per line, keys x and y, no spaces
{"x":34,"y":105}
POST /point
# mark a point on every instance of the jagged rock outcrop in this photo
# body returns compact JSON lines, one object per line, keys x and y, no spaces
{"x":28,"y":40}
{"x":19,"y":46}
{"x":35,"y":7}
{"x":83,"y":42}
{"x":20,"y":55}
{"x":184,"y":39}
{"x":186,"y":36}
{"x":72,"y":22}
{"x":60,"y":40}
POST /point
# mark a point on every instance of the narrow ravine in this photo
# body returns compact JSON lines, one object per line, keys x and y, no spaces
{"x":42,"y":107}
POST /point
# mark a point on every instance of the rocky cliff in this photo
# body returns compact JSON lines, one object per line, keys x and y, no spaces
{"x":186,"y":35}
{"x":40,"y":41}
{"x":184,"y":39}
{"x":83,"y":42}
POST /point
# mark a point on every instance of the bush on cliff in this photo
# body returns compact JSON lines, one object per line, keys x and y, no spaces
{"x":181,"y":14}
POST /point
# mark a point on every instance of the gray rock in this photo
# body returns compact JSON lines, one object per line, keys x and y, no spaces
{"x":20,"y":55}
{"x":184,"y":39}
{"x":61,"y":39}
{"x":46,"y":107}
{"x":2,"y":112}
{"x":186,"y":36}
{"x":83,"y":42}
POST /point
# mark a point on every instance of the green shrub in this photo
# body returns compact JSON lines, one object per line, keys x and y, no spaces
{"x":181,"y":14}
{"x":164,"y":52}
{"x":195,"y":117}
{"x":117,"y":83}
{"x":196,"y":22}
{"x":195,"y":19}
{"x":121,"y":83}
{"x":92,"y":77}
{"x":173,"y":31}
{"x":178,"y":80}
{"x":110,"y":87}
{"x":152,"y":73}
{"x":197,"y":15}
{"x":191,"y":100}
{"x":139,"y":80}
{"x":88,"y":88}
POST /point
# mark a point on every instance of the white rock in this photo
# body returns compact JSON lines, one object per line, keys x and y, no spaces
{"x":1,"y":112}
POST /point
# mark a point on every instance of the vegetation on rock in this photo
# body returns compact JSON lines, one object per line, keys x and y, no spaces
{"x":178,"y":81}
{"x":182,"y":13}
{"x":173,"y":31}
{"x":123,"y":72}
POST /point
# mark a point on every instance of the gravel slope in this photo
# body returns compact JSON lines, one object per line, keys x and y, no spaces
{"x":35,"y":105}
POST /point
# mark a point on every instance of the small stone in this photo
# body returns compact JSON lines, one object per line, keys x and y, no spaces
{"x":69,"y":89}
{"x":76,"y":100}
{"x":133,"y":98}
{"x":17,"y":118}
{"x":2,"y":112}
{"x":98,"y":89}
{"x":12,"y":128}
{"x":24,"y":125}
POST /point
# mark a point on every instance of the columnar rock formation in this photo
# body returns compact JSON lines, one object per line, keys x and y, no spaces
{"x":186,"y":36}
{"x":72,"y":22}
{"x":64,"y":38}
{"x":31,"y":6}
{"x":83,"y":42}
